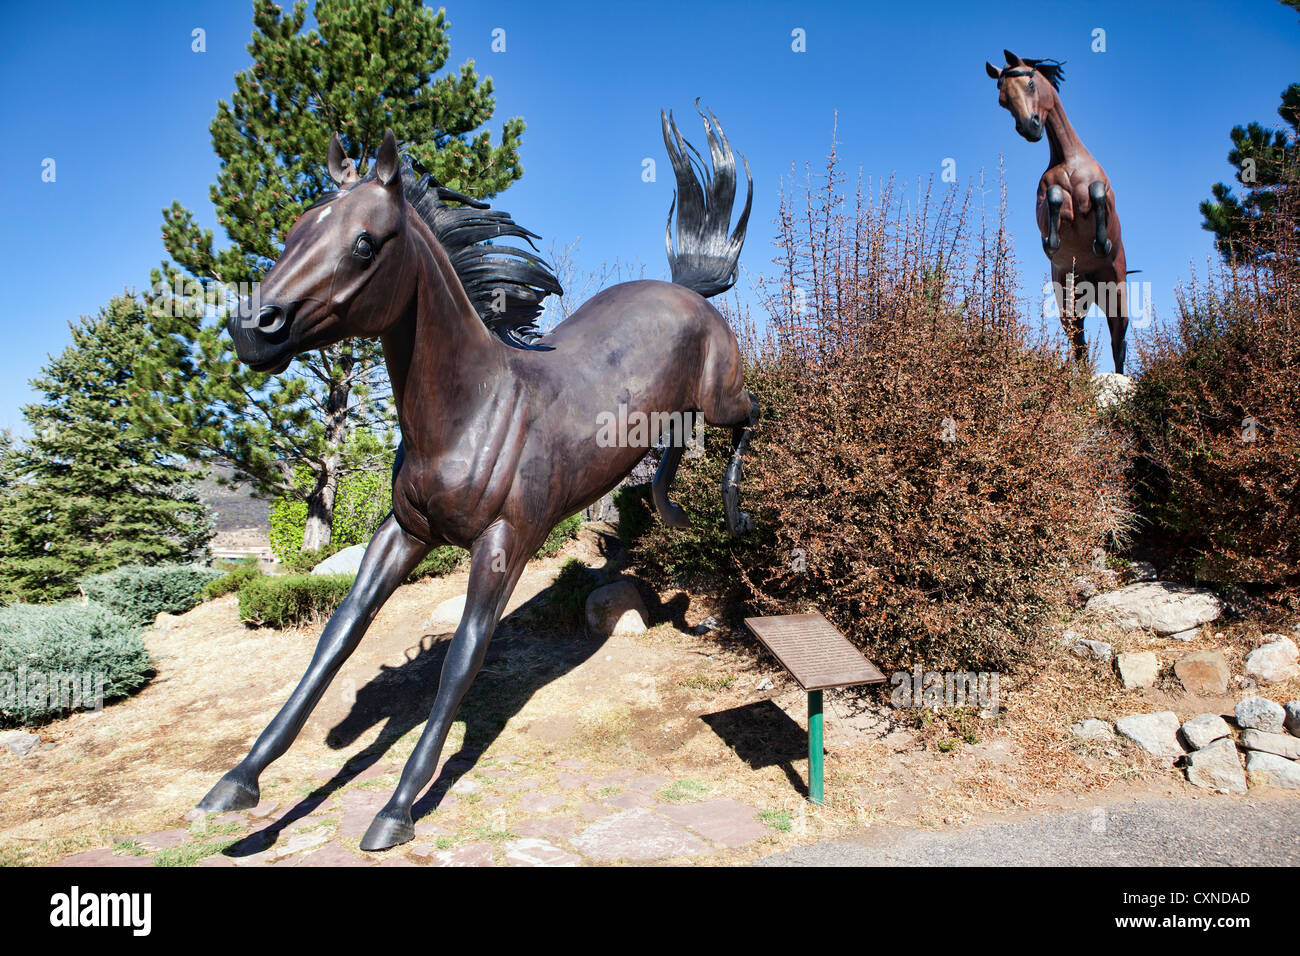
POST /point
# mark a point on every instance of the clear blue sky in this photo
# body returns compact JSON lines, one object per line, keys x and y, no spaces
{"x":113,"y":93}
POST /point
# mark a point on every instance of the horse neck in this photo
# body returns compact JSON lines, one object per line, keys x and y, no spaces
{"x":1064,"y":141}
{"x":440,"y":353}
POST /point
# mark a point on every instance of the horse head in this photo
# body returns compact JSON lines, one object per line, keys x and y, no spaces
{"x":341,"y":271}
{"x":1027,"y":90}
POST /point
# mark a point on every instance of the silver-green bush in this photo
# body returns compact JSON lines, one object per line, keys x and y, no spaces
{"x":139,"y":592}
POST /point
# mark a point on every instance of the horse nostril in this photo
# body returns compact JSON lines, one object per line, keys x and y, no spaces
{"x":270,"y":318}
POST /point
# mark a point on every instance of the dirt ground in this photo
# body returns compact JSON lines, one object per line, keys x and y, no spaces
{"x":669,"y":703}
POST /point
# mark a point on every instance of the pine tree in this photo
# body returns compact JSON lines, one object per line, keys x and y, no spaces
{"x":1266,"y":164}
{"x":369,"y":66}
{"x":90,"y":491}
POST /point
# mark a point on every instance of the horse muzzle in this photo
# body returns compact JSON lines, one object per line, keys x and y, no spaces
{"x":263,"y":335}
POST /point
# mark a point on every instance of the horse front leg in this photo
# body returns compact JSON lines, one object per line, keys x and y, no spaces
{"x":1101,"y":245}
{"x":497,"y":559}
{"x":1055,"y":201}
{"x":391,"y":555}
{"x":670,"y":512}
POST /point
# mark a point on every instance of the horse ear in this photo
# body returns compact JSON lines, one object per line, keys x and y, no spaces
{"x":1012,"y":59}
{"x":387,"y":163}
{"x":992,"y":70}
{"x":342,"y":170}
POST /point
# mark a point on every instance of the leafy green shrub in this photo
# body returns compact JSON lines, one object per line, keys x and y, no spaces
{"x":237,"y":574}
{"x":362,"y":501}
{"x":139,"y":592}
{"x":635,"y":511}
{"x":558,"y":536}
{"x":566,"y":599}
{"x":441,"y":560}
{"x":286,"y":600}
{"x":53,"y":656}
{"x":302,"y":561}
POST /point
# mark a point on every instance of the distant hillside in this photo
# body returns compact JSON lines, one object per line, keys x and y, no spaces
{"x":242,"y":519}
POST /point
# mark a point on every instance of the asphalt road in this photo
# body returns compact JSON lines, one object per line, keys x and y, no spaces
{"x":1172,"y":832}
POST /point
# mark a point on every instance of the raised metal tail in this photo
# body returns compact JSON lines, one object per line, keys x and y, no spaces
{"x":705,"y":256}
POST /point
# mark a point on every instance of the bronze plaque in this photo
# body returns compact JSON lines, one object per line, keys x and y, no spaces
{"x":817,"y":655}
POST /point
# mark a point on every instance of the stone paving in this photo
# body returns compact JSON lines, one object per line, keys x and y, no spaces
{"x":496,"y":812}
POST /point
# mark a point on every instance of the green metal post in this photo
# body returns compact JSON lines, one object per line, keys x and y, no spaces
{"x":815,"y":747}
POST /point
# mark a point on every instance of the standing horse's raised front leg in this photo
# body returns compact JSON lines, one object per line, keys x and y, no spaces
{"x":1101,"y":245}
{"x":389,"y":558}
{"x":737,"y":521}
{"x":1055,"y":200}
{"x":497,"y":559}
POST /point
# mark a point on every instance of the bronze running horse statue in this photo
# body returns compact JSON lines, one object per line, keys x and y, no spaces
{"x":1076,"y":206}
{"x":499,"y":431}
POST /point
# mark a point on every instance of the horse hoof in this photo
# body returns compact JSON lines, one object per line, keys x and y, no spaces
{"x":744,"y":524}
{"x":675,"y":516}
{"x":230,"y":794}
{"x":385,"y":832}
{"x":1102,"y":250}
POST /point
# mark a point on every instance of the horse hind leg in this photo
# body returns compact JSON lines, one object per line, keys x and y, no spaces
{"x":671,"y":513}
{"x":738,"y":522}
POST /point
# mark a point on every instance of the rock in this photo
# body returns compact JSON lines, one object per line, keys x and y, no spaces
{"x":1157,"y":734}
{"x":1275,"y":661}
{"x":1069,"y":638}
{"x":1158,"y":606}
{"x":1217,"y":767}
{"x":1084,"y":587}
{"x":346,"y":561}
{"x":706,"y":626}
{"x":1284,"y":745}
{"x":1260,"y":713}
{"x":724,"y":821}
{"x":449,"y":611}
{"x":637,"y":835}
{"x":1112,"y":388}
{"x":532,"y":851}
{"x":1187,"y":635}
{"x":1097,"y":650}
{"x":616,"y":609}
{"x":1204,"y":729}
{"x":1292,"y":720}
{"x":766,"y":684}
{"x":19,"y":742}
{"x":1137,"y":669}
{"x":1142,"y":571}
{"x":1203,"y":672}
{"x":1270,"y":770}
{"x":1093,"y":729}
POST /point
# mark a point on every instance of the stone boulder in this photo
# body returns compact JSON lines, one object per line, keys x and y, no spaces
{"x":1097,"y":650}
{"x":1204,"y":729}
{"x":1093,"y":729}
{"x":1292,"y":719}
{"x":1158,"y":606}
{"x":1157,"y":734}
{"x":1204,"y":673}
{"x":449,"y":611}
{"x":1260,"y":713}
{"x":1284,"y":745}
{"x":1137,"y":669}
{"x":1112,"y":388}
{"x":1275,"y":661}
{"x":346,"y":561}
{"x":1270,"y":770}
{"x":19,"y":742}
{"x":615,"y":610}
{"x":1217,"y":767}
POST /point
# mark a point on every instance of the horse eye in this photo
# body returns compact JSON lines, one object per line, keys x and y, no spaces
{"x":364,"y":248}
{"x":1031,"y":86}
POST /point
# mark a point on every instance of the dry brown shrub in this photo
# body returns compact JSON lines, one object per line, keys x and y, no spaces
{"x":1216,"y":416}
{"x":926,"y":474}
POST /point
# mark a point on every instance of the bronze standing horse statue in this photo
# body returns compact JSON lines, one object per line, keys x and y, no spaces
{"x":499,"y":431}
{"x":1076,"y":206}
